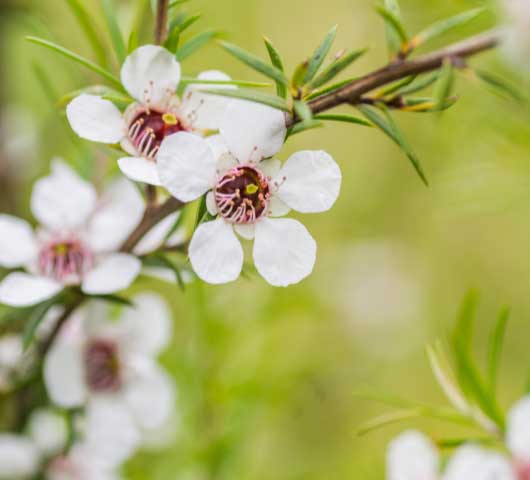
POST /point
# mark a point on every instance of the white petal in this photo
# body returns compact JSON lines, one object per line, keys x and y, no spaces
{"x":210,"y":204}
{"x":152,"y":69}
{"x":96,"y":119}
{"x":116,"y":272}
{"x":472,"y":462}
{"x":150,"y":397}
{"x":62,"y":199}
{"x":271,"y":167}
{"x":217,"y":145}
{"x":19,"y":457}
{"x":17,"y":242}
{"x":246,"y":231}
{"x":156,"y":236}
{"x":147,"y":325}
{"x":518,"y":430}
{"x":186,"y":166}
{"x":309,"y":181}
{"x":253,"y":131}
{"x":215,"y":252}
{"x":119,"y":211}
{"x":64,"y":374}
{"x":277,"y":208}
{"x":48,"y":430}
{"x":22,"y":290}
{"x":139,"y":169}
{"x":412,"y":456}
{"x":205,"y":110}
{"x":284,"y":251}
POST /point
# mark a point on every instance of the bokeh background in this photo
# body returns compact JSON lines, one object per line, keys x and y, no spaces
{"x":269,"y":379}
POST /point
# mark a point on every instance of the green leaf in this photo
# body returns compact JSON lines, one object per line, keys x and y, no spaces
{"x":254,"y":96}
{"x":132,"y":44}
{"x":330,"y":88}
{"x":393,"y":87}
{"x":419,"y":84}
{"x":298,"y":76}
{"x":318,"y":57}
{"x":176,"y":3}
{"x":76,"y":58}
{"x":444,"y":85}
{"x":500,"y":85}
{"x":443,"y":26}
{"x":338,"y":117}
{"x":111,"y":298}
{"x":303,"y":111}
{"x":85,"y":22}
{"x":101,"y":90}
{"x":276,"y":61}
{"x":388,"y":126}
{"x":392,"y":37}
{"x":495,"y":348}
{"x":189,"y":22}
{"x":255,"y":62}
{"x":336,"y":67}
{"x":36,"y":316}
{"x":300,"y":127}
{"x":397,"y":34}
{"x":239,"y":83}
{"x":195,"y":43}
{"x":114,"y":30}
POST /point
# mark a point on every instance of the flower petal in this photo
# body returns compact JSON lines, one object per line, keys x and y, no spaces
{"x":17,"y":242}
{"x":215,"y":252}
{"x":116,"y":272}
{"x":62,"y":199}
{"x":412,"y":456}
{"x":48,"y":430}
{"x":518,"y":430}
{"x":156,"y":236}
{"x":95,"y":119}
{"x":472,"y":462}
{"x":139,"y":169}
{"x":284,"y":251}
{"x":206,"y":111}
{"x":64,"y":374}
{"x":277,"y":208}
{"x":150,"y":396}
{"x":186,"y":166}
{"x":271,"y":167}
{"x":147,"y":325}
{"x":150,"y":74}
{"x":19,"y":457}
{"x":119,"y":211}
{"x":253,"y":131}
{"x":309,"y":181}
{"x":246,"y":231}
{"x":217,"y":145}
{"x":22,"y":290}
{"x":210,"y":204}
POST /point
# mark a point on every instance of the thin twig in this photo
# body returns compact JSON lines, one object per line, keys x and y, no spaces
{"x":161,"y":21}
{"x":352,"y":92}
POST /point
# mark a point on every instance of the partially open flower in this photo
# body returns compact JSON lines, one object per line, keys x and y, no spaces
{"x":98,"y":357}
{"x":246,"y":193}
{"x":77,"y":242}
{"x":151,"y":75}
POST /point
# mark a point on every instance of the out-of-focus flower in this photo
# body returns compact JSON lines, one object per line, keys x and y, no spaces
{"x":151,"y":75}
{"x":412,"y":456}
{"x":115,"y":360}
{"x":77,"y":243}
{"x":244,"y":193}
{"x":517,"y":33}
{"x":10,"y":356}
{"x":518,"y":436}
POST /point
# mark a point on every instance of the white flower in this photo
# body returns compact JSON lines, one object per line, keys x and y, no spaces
{"x":151,"y":75}
{"x":246,"y":193}
{"x":19,"y":457}
{"x":517,"y":33}
{"x":101,"y":358}
{"x":48,"y":430}
{"x":10,"y":356}
{"x":77,"y":242}
{"x":412,"y":456}
{"x":518,"y":435}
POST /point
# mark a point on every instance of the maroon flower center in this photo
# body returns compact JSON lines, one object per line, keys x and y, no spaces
{"x":103,"y":369}
{"x":242,"y":195}
{"x":149,"y":128}
{"x":523,"y":471}
{"x":65,"y":260}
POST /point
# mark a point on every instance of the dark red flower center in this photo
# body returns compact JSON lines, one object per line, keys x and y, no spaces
{"x":103,"y":369}
{"x":242,"y":195}
{"x":65,"y":259}
{"x":149,"y":128}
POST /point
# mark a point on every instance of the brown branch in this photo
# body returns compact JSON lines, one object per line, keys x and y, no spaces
{"x":161,"y":22}
{"x":352,"y":92}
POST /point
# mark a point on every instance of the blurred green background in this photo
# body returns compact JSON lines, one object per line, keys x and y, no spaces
{"x":268,"y":377}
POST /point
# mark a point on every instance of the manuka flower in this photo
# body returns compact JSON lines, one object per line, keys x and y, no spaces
{"x":151,"y":75}
{"x":76,"y":243}
{"x":245,"y":193}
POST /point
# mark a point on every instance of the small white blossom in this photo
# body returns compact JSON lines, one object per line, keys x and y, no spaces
{"x":245,"y":193}
{"x":76,"y":243}
{"x":10,"y":357}
{"x":517,"y":32}
{"x":151,"y":75}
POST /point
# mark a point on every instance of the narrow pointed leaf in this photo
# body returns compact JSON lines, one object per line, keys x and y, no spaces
{"x":132,"y":44}
{"x":393,"y":39}
{"x":500,"y":85}
{"x":76,"y":58}
{"x":300,"y":127}
{"x":346,"y":118}
{"x":114,"y":30}
{"x":318,"y":57}
{"x":495,"y":348}
{"x":276,"y":61}
{"x":176,"y":3}
{"x":195,"y":43}
{"x":116,"y":299}
{"x":444,"y":84}
{"x":330,"y":88}
{"x":298,"y":76}
{"x":397,"y":32}
{"x":419,"y":84}
{"x":336,"y":67}
{"x":253,"y":96}
{"x":303,"y":111}
{"x":34,"y":320}
{"x":255,"y":62}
